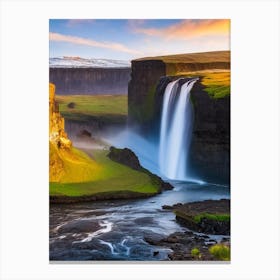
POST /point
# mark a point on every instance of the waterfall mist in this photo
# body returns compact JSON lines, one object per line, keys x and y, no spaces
{"x":145,"y":150}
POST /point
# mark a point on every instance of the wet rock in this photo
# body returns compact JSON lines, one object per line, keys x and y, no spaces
{"x":153,"y":238}
{"x":225,"y":239}
{"x":144,"y":221}
{"x":79,"y":226}
{"x":167,"y":207}
{"x":166,"y":186}
{"x":171,"y":239}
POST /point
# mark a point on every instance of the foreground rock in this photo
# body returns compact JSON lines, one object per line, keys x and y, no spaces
{"x":188,"y":246}
{"x":209,"y":216}
{"x":127,"y":157}
{"x":203,"y":217}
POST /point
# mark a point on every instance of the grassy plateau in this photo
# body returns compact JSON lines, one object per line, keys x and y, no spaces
{"x":217,"y":84}
{"x":108,"y":108}
{"x":203,"y":57}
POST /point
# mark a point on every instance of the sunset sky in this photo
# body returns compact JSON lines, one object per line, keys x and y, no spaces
{"x":130,"y":39}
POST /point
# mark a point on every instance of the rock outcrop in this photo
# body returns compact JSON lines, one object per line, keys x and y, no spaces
{"x":210,"y":147}
{"x":141,"y":90}
{"x":57,"y":134}
{"x":209,"y":216}
{"x":90,"y":80}
{"x":127,"y":157}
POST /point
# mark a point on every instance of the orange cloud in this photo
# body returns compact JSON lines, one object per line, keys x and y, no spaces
{"x":190,"y":28}
{"x":91,"y":43}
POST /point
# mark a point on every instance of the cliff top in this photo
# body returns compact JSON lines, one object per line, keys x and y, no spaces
{"x":202,"y":57}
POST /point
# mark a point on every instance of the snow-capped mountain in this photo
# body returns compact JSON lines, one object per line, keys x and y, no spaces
{"x":79,"y":62}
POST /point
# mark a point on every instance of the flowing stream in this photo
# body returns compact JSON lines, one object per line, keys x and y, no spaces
{"x":116,"y":230}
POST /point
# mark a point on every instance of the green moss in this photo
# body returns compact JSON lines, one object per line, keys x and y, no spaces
{"x":195,"y":252}
{"x":218,"y":91}
{"x":220,"y":252}
{"x":215,"y":217}
{"x":150,"y":103}
{"x":144,"y":112}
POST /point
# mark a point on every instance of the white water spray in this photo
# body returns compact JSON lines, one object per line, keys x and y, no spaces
{"x":175,"y":131}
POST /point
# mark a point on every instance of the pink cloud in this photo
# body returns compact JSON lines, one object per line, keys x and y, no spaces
{"x":91,"y":43}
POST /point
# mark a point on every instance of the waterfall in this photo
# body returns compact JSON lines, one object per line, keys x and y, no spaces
{"x":176,"y":130}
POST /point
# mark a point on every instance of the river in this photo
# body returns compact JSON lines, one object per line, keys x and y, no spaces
{"x":116,"y":230}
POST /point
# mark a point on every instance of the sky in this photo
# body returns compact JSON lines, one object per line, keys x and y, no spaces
{"x":128,"y":39}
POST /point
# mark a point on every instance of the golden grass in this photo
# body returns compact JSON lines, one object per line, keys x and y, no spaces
{"x":216,"y":82}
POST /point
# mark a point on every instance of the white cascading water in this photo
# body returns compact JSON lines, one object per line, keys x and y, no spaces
{"x":175,"y":131}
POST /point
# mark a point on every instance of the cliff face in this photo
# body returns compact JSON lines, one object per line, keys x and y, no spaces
{"x":58,"y":140}
{"x":57,"y":134}
{"x":90,"y":80}
{"x":141,"y":90}
{"x":210,"y":148}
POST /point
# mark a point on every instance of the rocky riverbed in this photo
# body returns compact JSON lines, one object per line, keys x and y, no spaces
{"x":139,"y":230}
{"x":208,"y":224}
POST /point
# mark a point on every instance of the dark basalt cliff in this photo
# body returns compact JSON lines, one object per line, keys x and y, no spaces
{"x":210,"y":148}
{"x":90,"y":80}
{"x":141,"y":90}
